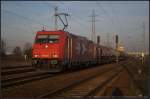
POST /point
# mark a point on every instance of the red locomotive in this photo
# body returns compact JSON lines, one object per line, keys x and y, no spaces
{"x":62,"y":50}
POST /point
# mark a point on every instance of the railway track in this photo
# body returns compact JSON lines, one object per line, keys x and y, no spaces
{"x":18,"y":75}
{"x":19,"y":79}
{"x":9,"y":70}
{"x":85,"y":87}
{"x":12,"y":67}
{"x":42,"y":87}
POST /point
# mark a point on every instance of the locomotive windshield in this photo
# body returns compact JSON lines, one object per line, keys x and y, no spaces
{"x":47,"y":39}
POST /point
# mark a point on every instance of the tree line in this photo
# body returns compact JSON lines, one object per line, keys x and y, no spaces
{"x":17,"y":51}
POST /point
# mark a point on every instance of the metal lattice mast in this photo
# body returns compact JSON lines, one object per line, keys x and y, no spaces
{"x":108,"y":40}
{"x":56,"y":23}
{"x":93,"y":33}
{"x":144,"y":49}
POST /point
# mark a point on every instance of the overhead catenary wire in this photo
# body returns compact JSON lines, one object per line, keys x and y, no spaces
{"x":111,"y":18}
{"x":24,"y":17}
{"x":19,"y":5}
{"x":116,"y":18}
{"x":105,"y":12}
{"x":117,"y":21}
{"x":14,"y":26}
{"x":55,"y":7}
{"x":76,"y":19}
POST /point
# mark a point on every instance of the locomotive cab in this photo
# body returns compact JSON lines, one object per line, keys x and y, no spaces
{"x":47,"y":49}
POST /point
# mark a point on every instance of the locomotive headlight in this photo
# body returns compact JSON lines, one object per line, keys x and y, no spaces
{"x":46,"y":46}
{"x":55,"y":56}
{"x":35,"y":55}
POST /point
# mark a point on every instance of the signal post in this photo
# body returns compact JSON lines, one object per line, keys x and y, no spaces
{"x":116,"y":48}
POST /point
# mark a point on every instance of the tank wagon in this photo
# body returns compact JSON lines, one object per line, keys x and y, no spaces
{"x":61,"y":50}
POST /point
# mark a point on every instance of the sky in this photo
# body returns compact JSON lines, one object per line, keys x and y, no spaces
{"x":20,"y":20}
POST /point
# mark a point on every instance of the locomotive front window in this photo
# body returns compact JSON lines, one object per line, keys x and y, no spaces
{"x":47,"y":39}
{"x":53,"y":38}
{"x":41,"y":39}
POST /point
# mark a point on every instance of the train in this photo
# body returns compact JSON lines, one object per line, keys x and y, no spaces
{"x":60,"y":50}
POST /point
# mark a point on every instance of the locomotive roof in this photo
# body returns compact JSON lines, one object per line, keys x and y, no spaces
{"x":46,"y":32}
{"x":71,"y":34}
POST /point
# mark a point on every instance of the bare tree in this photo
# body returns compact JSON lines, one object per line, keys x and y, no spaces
{"x":3,"y":48}
{"x":27,"y":50}
{"x":17,"y":51}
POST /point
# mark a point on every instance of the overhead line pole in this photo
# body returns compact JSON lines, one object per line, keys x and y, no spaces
{"x":93,"y":33}
{"x":93,"y":21}
{"x":92,"y":29}
{"x":144,"y":49}
{"x":117,"y":41}
{"x":56,"y":23}
{"x":108,"y":40}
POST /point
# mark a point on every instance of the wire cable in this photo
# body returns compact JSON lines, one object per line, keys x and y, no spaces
{"x":24,"y":17}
